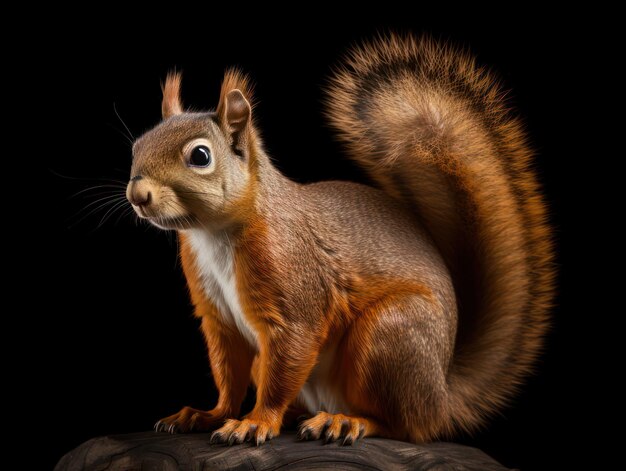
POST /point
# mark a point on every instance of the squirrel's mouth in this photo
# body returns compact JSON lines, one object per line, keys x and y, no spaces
{"x":175,"y":222}
{"x":171,"y":223}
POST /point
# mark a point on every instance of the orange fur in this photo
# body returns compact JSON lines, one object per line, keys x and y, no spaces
{"x":260,"y":299}
{"x":419,"y":307}
{"x":171,"y":104}
{"x":366,"y":305}
{"x":229,"y":354}
{"x":203,"y":305}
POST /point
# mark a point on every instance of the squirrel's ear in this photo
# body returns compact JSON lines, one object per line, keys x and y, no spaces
{"x":234,"y":110}
{"x":237,"y":111}
{"x":171,"y":104}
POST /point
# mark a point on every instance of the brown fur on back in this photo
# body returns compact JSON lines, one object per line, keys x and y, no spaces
{"x":433,"y":130}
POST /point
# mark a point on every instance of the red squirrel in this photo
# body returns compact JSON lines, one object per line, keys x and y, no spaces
{"x":411,"y":310}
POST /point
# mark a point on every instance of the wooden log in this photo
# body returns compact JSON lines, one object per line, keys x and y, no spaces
{"x":161,"y":451}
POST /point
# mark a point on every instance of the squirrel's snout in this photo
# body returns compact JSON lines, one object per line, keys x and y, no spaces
{"x":138,"y":191}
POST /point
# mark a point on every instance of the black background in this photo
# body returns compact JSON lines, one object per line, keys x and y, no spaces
{"x":117,"y":347}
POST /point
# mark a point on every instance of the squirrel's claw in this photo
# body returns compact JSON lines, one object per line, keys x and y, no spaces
{"x":331,"y":427}
{"x":239,"y":431}
{"x":188,"y":419}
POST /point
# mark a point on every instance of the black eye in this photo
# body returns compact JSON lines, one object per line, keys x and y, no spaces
{"x":200,"y":157}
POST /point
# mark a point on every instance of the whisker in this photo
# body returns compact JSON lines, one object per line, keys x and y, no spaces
{"x":107,"y":198}
{"x":230,"y":245}
{"x":95,"y":179}
{"x":107,"y":202}
{"x":111,"y":211}
{"x":130,"y":134}
{"x":192,"y":192}
{"x":130,"y":141}
{"x":176,"y":257}
{"x":123,"y":214}
{"x":97,"y":187}
{"x":97,"y":194}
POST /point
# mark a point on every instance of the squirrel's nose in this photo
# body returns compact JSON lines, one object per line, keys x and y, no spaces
{"x":138,"y":191}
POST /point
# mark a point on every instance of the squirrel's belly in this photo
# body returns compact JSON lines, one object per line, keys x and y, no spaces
{"x":320,"y":391}
{"x":215,"y":265}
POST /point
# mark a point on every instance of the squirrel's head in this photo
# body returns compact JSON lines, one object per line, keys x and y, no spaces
{"x":197,"y":169}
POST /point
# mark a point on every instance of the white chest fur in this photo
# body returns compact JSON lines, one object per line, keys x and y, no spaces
{"x":215,"y":263}
{"x":318,"y":393}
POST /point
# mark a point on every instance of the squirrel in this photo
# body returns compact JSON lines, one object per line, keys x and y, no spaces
{"x":410,"y":308}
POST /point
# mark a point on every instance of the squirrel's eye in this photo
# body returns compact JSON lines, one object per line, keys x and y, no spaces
{"x":200,"y":157}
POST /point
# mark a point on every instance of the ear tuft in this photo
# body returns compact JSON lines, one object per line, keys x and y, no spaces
{"x":171,"y":104}
{"x":235,"y":105}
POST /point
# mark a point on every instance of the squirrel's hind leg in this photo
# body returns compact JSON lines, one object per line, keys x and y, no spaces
{"x":394,"y":361}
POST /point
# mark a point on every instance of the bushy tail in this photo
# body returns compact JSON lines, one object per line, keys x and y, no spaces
{"x":433,"y":130}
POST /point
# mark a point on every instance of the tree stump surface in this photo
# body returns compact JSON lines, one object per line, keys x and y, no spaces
{"x":161,"y":451}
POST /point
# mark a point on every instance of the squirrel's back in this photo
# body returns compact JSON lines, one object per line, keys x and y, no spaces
{"x":433,"y":130}
{"x":374,"y":232}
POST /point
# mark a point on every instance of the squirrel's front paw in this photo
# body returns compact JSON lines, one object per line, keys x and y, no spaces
{"x":239,"y":431}
{"x":190,"y":420}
